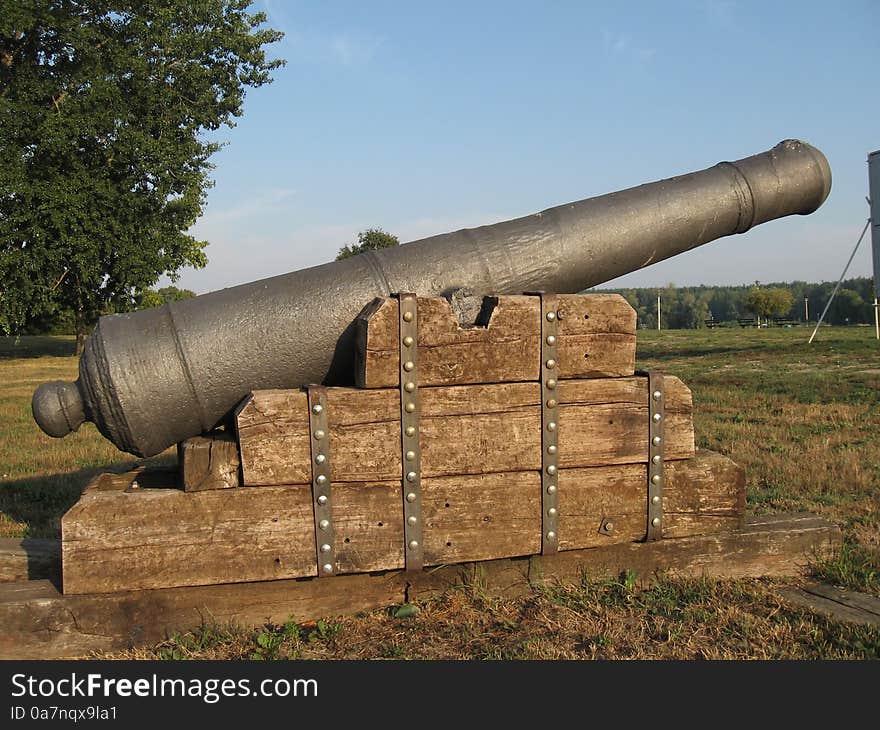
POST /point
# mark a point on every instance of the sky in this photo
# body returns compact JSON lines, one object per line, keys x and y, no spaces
{"x":426,"y":117}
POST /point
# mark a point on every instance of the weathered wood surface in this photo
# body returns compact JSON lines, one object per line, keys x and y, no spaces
{"x":839,"y":603}
{"x":39,"y":623}
{"x":469,"y":429}
{"x":29,"y":559}
{"x":597,"y":338}
{"x":118,"y":539}
{"x":209,"y":462}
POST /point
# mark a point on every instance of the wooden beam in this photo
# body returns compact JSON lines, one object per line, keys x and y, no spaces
{"x":597,"y":338}
{"x":209,"y":462}
{"x":29,"y":559}
{"x":40,"y":623}
{"x":117,"y":539}
{"x":472,"y":429}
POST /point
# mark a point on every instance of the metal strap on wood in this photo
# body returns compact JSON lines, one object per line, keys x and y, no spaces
{"x":656,"y":477}
{"x":321,"y":493}
{"x":549,"y":424}
{"x":410,"y":408}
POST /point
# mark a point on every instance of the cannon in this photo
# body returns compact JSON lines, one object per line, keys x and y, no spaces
{"x":152,"y":378}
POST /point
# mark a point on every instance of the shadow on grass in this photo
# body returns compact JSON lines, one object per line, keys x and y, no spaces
{"x":37,"y":346}
{"x":40,"y":502}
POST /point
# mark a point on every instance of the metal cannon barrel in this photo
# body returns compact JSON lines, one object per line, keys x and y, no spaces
{"x":155,"y":377}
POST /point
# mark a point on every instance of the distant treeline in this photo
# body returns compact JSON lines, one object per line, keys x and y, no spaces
{"x":690,"y":307}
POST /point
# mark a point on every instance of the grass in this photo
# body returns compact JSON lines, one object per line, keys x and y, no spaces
{"x":672,"y":619}
{"x":804,"y":421}
{"x":41,"y":477}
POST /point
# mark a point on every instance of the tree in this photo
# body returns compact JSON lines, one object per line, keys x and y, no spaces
{"x":103,"y":166}
{"x":368,"y":240}
{"x":767,"y":301}
{"x":153,"y":298}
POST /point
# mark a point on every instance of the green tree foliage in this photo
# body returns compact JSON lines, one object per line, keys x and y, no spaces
{"x":368,"y":240}
{"x":153,"y":298}
{"x":767,"y":301}
{"x":103,"y":164}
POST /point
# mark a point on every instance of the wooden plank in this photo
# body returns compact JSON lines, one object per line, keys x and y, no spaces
{"x":209,"y":462}
{"x":853,"y":599}
{"x":29,"y":559}
{"x":773,"y":546}
{"x":39,"y":623}
{"x":146,"y":538}
{"x":597,"y":335}
{"x":827,"y":601}
{"x":153,"y":538}
{"x":470,"y":429}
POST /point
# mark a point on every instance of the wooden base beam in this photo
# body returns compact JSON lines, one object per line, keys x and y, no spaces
{"x":39,"y":623}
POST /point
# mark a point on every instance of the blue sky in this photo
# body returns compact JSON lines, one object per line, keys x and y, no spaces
{"x":424,"y":117}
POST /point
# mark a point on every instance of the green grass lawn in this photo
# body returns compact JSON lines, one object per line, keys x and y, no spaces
{"x":804,"y":421}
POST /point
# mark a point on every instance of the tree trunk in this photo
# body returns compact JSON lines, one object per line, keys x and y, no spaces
{"x":81,"y":333}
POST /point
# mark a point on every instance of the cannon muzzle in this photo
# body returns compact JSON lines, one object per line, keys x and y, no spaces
{"x":158,"y":376}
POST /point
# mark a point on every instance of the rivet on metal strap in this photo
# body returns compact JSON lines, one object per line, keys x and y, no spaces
{"x":321,"y":496}
{"x":549,"y":423}
{"x":410,"y":452}
{"x":656,"y":475}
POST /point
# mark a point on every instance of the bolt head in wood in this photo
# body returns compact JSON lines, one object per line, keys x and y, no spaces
{"x":408,"y":365}
{"x":551,"y":363}
{"x":328,"y":568}
{"x":324,"y":524}
{"x":551,"y":489}
{"x":656,"y":479}
{"x":657,"y":395}
{"x":656,"y":440}
{"x":411,"y":476}
{"x":410,"y":431}
{"x":325,"y":548}
{"x":320,"y":479}
{"x":655,"y":522}
{"x":551,"y":426}
{"x":413,"y":544}
{"x":410,"y":455}
{"x":551,"y":449}
{"x":551,"y":383}
{"x":609,"y":526}
{"x":409,"y":407}
{"x":551,"y":316}
{"x":551,"y":535}
{"x":412,"y":520}
{"x":551,"y":470}
{"x":408,"y":341}
{"x":551,"y":512}
{"x":551,"y":340}
{"x":409,"y":387}
{"x":320,"y":459}
{"x":317,"y":408}
{"x":552,"y":403}
{"x":657,"y":459}
{"x":322,"y":499}
{"x":657,"y":417}
{"x":407,"y":316}
{"x":655,"y":499}
{"x":319,"y":434}
{"x":411,"y":497}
